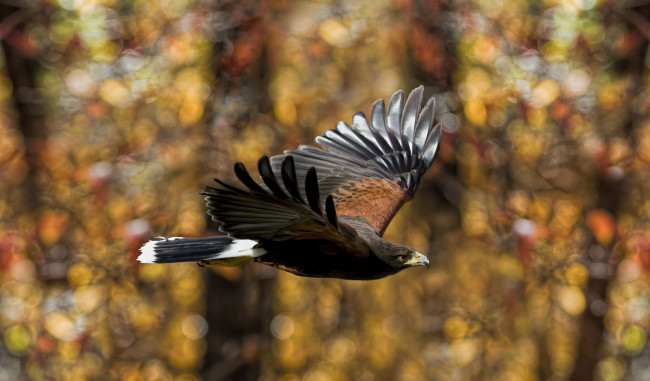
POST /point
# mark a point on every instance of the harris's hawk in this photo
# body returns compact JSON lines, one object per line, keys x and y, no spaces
{"x":322,"y":212}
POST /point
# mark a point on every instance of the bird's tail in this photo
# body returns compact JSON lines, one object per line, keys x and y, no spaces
{"x":220,"y":250}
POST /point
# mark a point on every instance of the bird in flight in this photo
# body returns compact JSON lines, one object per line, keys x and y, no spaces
{"x":322,"y":212}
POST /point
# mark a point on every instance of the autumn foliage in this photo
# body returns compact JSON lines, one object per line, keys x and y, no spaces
{"x":114,"y":114}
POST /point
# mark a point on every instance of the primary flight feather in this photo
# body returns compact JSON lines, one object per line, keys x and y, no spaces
{"x":322,"y":212}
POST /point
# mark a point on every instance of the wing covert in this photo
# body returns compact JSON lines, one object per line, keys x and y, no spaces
{"x":276,"y":211}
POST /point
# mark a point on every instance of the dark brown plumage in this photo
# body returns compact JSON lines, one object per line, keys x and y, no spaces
{"x":322,"y":213}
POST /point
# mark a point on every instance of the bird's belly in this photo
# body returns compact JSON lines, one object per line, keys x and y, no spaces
{"x":311,"y":262}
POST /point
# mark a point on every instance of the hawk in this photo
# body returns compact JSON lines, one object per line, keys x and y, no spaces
{"x":322,"y":212}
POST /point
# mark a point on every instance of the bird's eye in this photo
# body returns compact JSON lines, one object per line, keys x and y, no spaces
{"x":402,"y":257}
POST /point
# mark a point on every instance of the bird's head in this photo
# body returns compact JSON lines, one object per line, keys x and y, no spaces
{"x":400,"y":257}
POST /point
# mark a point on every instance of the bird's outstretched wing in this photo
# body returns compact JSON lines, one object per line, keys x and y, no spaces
{"x":280,"y":210}
{"x":372,"y":169}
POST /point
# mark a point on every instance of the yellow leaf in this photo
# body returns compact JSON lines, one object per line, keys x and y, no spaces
{"x":545,"y":93}
{"x":577,"y":274}
{"x":87,"y":298}
{"x":334,"y":33}
{"x":79,"y":274}
{"x":60,"y":326}
{"x":17,"y":339}
{"x":285,"y":111}
{"x":114,"y":93}
{"x":462,"y":351}
{"x":571,"y":300}
{"x":475,"y":112}
{"x":189,"y":81}
{"x":191,"y":110}
{"x":455,"y":327}
{"x":633,"y":339}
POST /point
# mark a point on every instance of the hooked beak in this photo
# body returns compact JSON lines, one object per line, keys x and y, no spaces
{"x":418,"y":259}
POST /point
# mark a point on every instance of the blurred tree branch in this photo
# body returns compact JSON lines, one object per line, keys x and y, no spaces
{"x":636,"y":18}
{"x":13,"y":19}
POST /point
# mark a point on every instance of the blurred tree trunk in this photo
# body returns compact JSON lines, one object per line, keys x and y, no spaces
{"x":21,"y":66}
{"x":592,"y":325}
{"x":236,"y":307}
{"x":236,"y":314}
{"x":612,"y":191}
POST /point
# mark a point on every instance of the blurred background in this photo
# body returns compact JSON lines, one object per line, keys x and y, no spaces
{"x":535,"y":215}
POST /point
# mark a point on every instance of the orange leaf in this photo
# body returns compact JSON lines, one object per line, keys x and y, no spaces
{"x":51,"y":225}
{"x":602,"y":225}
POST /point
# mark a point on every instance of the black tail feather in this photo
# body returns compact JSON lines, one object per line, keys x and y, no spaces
{"x":169,"y":250}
